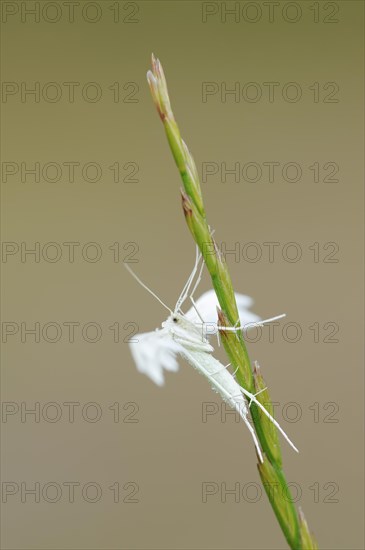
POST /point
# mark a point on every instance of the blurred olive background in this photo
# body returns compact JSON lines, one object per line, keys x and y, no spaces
{"x":150,"y":442}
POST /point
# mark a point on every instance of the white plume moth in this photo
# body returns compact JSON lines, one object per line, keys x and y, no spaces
{"x":186,"y":334}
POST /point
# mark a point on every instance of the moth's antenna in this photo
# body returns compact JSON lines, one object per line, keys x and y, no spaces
{"x":146,"y":287}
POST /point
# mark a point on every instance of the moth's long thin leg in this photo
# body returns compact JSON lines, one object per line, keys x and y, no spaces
{"x":276,"y":318}
{"x":233,"y":374}
{"x":196,"y":309}
{"x":254,"y":400}
{"x":220,"y":370}
{"x":187,"y":285}
{"x":218,"y":339}
{"x":244,"y":418}
{"x":251,"y":325}
{"x":263,"y":389}
{"x":253,"y":433}
{"x":193,"y":301}
{"x":236,"y":371}
{"x":198,"y":259}
{"x":199,"y":278}
{"x":182,"y":296}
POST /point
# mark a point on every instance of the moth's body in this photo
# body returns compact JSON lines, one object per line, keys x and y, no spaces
{"x":197,"y":352}
{"x":186,"y":335}
{"x":220,"y":379}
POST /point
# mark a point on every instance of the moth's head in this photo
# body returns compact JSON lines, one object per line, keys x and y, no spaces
{"x":179,"y":325}
{"x":175,"y":320}
{"x":186,"y":332}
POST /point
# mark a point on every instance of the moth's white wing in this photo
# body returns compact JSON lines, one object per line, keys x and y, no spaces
{"x":154,"y":352}
{"x":207,"y":307}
